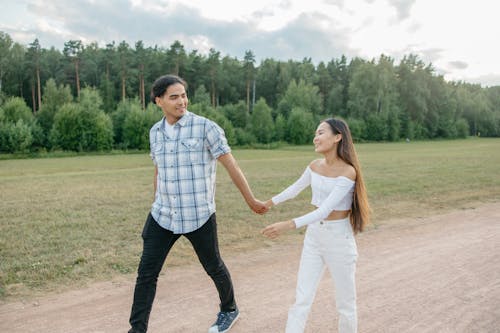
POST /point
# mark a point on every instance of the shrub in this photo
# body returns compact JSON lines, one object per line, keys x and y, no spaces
{"x":15,"y":108}
{"x":15,"y":137}
{"x":300,"y":128}
{"x":462,"y":128}
{"x":136,"y":126}
{"x":81,"y":130}
{"x":262,"y":122}
{"x":118,"y":118}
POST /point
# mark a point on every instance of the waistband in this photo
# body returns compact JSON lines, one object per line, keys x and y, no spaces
{"x":344,"y":220}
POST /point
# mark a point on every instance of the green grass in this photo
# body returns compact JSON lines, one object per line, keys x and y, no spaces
{"x":71,"y":220}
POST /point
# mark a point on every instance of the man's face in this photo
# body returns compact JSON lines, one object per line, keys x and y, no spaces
{"x":173,"y":102}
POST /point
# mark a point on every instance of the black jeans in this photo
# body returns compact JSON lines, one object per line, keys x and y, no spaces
{"x":157,"y":243}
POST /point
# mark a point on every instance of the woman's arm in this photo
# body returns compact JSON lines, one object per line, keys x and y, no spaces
{"x":327,"y":206}
{"x":338,"y":193}
{"x":293,"y":190}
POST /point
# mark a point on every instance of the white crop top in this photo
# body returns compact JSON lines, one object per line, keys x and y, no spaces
{"x":328,"y":194}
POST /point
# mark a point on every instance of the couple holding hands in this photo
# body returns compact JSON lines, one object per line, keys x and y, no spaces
{"x":185,"y":149}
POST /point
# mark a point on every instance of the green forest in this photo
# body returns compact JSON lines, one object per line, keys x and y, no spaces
{"x":92,"y":98}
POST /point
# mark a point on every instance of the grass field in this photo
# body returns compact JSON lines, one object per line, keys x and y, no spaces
{"x":68,"y":221}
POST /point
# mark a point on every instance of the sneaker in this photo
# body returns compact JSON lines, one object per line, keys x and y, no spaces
{"x":224,"y":322}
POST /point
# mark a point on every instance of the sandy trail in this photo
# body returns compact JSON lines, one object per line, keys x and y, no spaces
{"x":437,"y":274}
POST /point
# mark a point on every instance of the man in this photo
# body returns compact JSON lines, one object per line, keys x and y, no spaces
{"x":185,"y":149}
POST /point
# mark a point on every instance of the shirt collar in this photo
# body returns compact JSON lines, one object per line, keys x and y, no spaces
{"x":184,"y":119}
{"x":182,"y":122}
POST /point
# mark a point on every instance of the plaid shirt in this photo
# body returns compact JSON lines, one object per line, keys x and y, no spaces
{"x":185,"y":186}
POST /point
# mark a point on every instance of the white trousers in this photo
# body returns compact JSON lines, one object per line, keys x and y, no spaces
{"x":327,"y":244}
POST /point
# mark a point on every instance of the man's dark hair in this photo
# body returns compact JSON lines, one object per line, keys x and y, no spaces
{"x":162,"y":83}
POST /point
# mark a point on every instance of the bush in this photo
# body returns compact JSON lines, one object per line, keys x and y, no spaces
{"x":376,"y":127}
{"x":300,"y":128}
{"x":15,"y":137}
{"x":237,"y":114}
{"x":262,"y":122}
{"x":53,"y":98}
{"x":78,"y":129}
{"x":136,"y":126}
{"x":357,"y":127}
{"x":19,"y":130}
{"x":244,"y":138}
{"x":462,"y":128}
{"x":280,"y":128}
{"x":65,"y":132}
{"x":15,"y":108}
{"x":118,"y":118}
{"x":101,"y":137}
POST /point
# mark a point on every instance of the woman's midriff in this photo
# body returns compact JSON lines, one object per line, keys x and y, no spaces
{"x":338,"y":215}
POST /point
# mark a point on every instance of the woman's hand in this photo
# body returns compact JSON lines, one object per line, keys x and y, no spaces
{"x":269,"y":203}
{"x":274,"y":230}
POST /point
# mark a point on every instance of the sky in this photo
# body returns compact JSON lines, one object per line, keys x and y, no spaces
{"x":460,"y":38}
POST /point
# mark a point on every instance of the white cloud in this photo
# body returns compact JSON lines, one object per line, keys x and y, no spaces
{"x":460,"y":38}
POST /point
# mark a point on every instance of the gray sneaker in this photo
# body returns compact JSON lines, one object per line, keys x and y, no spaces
{"x":224,"y":322}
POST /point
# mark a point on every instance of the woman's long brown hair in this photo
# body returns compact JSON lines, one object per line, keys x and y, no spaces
{"x":360,"y":210}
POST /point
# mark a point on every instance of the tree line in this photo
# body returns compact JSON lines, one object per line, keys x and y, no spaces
{"x":88,"y":98}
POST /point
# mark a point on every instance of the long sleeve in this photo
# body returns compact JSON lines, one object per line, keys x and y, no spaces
{"x":342,"y":188}
{"x":293,"y":190}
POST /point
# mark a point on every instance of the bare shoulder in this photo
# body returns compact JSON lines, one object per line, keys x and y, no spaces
{"x":315,"y":165}
{"x":348,"y":171}
{"x":341,"y":169}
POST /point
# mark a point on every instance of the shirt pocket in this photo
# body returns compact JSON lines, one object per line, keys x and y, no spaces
{"x":157,"y":150}
{"x":194,"y":150}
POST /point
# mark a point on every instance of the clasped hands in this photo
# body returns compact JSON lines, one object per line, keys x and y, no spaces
{"x":272,"y":231}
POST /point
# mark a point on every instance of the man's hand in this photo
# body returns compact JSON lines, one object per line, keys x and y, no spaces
{"x":274,"y":230}
{"x":258,"y":207}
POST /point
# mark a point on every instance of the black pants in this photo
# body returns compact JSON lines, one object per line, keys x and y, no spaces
{"x":157,"y":243}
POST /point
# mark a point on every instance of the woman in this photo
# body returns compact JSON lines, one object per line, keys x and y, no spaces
{"x":342,"y":210}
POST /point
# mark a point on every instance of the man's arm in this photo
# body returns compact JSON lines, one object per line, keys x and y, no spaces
{"x":238,"y":178}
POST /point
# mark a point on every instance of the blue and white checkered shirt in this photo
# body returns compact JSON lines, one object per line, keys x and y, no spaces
{"x":186,"y":162}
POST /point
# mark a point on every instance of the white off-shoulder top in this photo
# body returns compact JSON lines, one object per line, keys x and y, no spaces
{"x":328,"y":194}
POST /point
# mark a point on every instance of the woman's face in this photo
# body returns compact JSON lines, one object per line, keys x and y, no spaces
{"x":324,"y":139}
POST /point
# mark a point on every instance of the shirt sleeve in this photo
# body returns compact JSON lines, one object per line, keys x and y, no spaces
{"x":153,"y":146}
{"x":216,"y":140}
{"x":293,"y":190}
{"x":342,"y":188}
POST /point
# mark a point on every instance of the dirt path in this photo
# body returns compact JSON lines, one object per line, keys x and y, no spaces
{"x":438,"y":274}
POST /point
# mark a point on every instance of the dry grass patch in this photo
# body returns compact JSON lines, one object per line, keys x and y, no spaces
{"x":68,"y":221}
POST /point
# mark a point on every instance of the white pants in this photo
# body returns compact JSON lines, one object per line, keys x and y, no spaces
{"x":327,"y":244}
